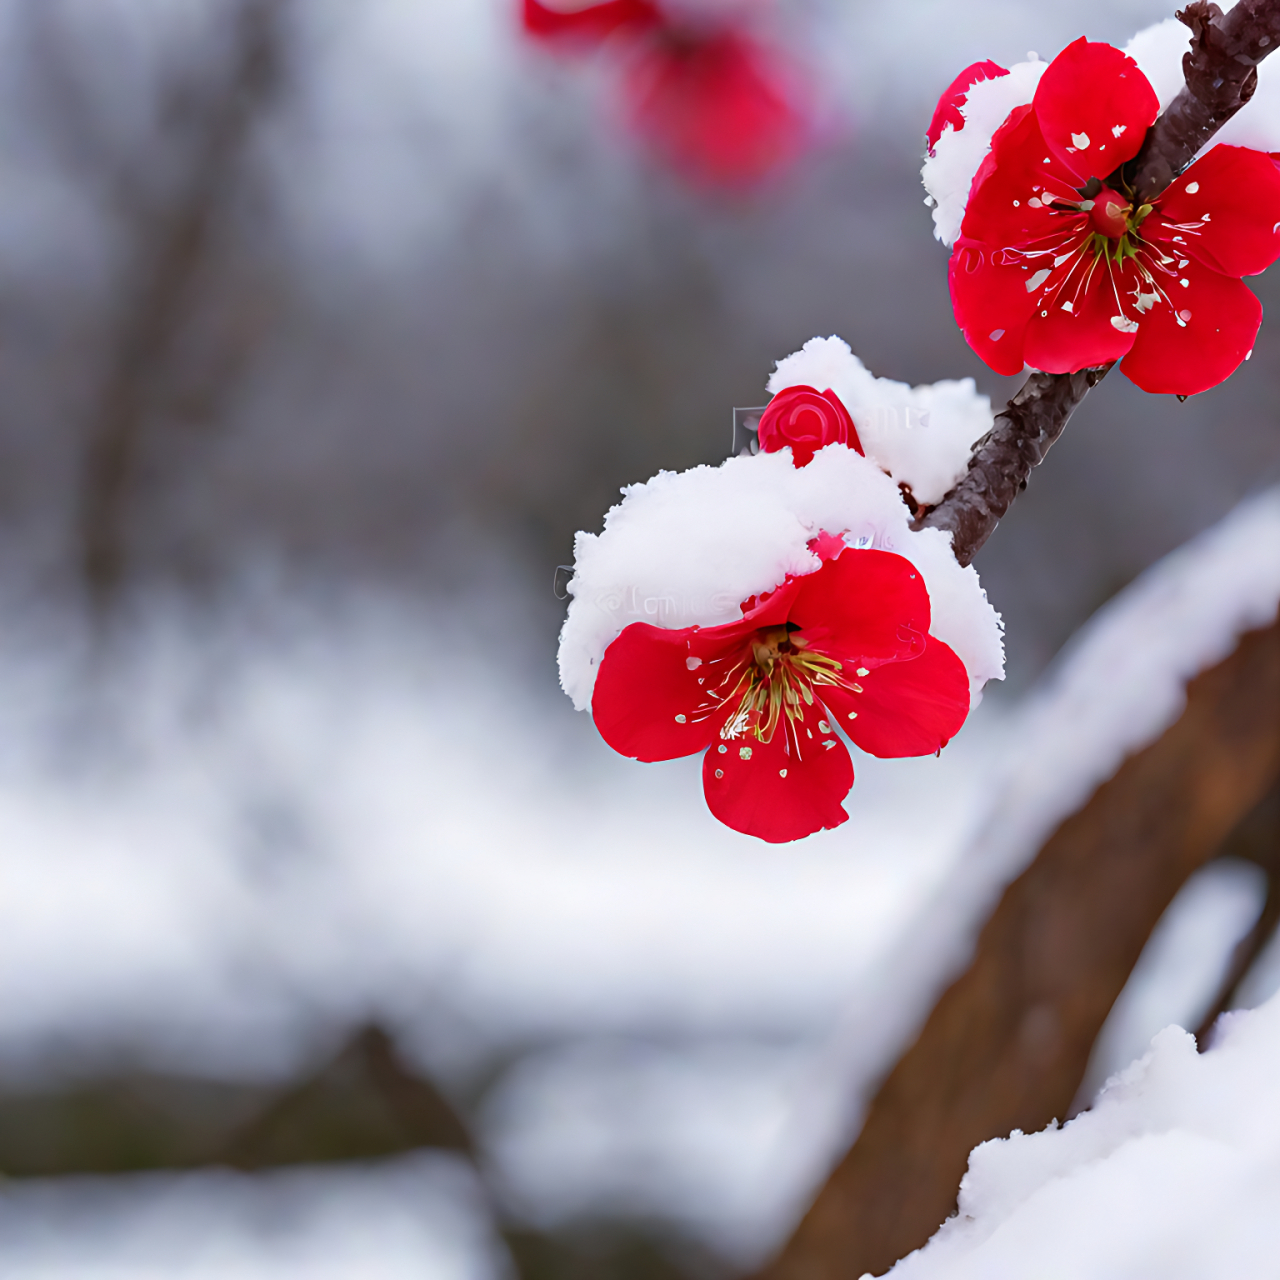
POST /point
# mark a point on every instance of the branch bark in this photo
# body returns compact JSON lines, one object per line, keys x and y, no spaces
{"x":1221,"y":71}
{"x":1221,"y":75}
{"x":1005,"y":456}
{"x":1007,"y":1045}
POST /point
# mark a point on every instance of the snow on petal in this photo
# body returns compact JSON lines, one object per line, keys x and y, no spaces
{"x":688,"y":547}
{"x":949,"y":172}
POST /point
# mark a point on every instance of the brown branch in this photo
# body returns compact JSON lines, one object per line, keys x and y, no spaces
{"x":1007,"y":1045}
{"x":1258,"y":841}
{"x":161,"y":301}
{"x":1221,"y":74}
{"x":1002,"y":460}
{"x":1221,"y":71}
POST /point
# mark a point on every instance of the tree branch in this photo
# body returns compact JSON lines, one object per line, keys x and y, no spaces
{"x":1004,"y":457}
{"x":1221,"y":75}
{"x":1221,"y":71}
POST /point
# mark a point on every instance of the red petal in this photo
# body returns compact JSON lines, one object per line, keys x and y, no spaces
{"x":1013,"y":174}
{"x":865,"y":604}
{"x":1238,"y":191}
{"x":645,"y":685}
{"x":767,"y":791}
{"x":991,"y":304}
{"x":909,"y":708}
{"x":717,"y":108}
{"x":851,"y":439}
{"x":1087,"y":93}
{"x":1059,"y":341}
{"x":594,"y":23}
{"x":947,"y":112}
{"x":1221,"y":319}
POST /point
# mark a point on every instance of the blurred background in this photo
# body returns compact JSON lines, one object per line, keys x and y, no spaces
{"x":332,"y":941}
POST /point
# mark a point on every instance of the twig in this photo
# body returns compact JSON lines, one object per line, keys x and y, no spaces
{"x":148,"y":331}
{"x":1221,"y":74}
{"x":1004,"y":457}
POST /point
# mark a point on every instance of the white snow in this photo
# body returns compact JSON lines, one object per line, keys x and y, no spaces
{"x":419,"y":1216}
{"x":922,"y":436}
{"x":686,"y":548}
{"x":1181,"y":967}
{"x":1174,"y":1173}
{"x":949,"y":172}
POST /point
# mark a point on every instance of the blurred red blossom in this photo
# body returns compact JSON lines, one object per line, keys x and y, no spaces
{"x":806,"y":419}
{"x":847,"y":645}
{"x":1055,"y":267}
{"x":715,"y":102}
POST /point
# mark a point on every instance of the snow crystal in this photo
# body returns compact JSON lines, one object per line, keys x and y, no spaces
{"x":1173,"y":1173}
{"x":922,"y":436}
{"x":949,"y":172}
{"x":687,"y":548}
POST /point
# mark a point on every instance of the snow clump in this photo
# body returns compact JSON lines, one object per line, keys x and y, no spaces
{"x":949,"y":171}
{"x":922,"y":436}
{"x":1173,"y":1173}
{"x":686,"y":548}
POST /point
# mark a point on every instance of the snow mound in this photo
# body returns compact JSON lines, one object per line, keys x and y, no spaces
{"x":949,"y":172}
{"x":1174,"y":1173}
{"x":922,"y":436}
{"x":688,"y":547}
{"x":1158,"y":51}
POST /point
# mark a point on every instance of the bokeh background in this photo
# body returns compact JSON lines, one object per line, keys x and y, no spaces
{"x":323,"y":326}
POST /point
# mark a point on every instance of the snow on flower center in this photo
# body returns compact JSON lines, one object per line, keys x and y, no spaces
{"x":772,"y":683}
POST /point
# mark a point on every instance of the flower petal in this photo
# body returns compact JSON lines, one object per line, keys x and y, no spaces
{"x":1227,"y":206}
{"x":1101,"y":325}
{"x":865,"y":604}
{"x":650,"y":694}
{"x":1016,"y":182}
{"x":911,"y":708}
{"x":594,"y":23}
{"x":769,"y":791}
{"x":1199,"y":337}
{"x":991,"y":304}
{"x":947,"y":112}
{"x":1094,"y":106}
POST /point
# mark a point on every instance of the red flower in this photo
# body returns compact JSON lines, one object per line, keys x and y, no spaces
{"x":848,"y":645}
{"x":1056,"y":268}
{"x":806,"y":419}
{"x":713,"y":101}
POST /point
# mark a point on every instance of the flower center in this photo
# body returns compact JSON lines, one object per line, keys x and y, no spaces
{"x":775,"y":683}
{"x":1110,"y":214}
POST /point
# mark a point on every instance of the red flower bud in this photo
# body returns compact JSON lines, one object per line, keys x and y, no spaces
{"x":806,"y":419}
